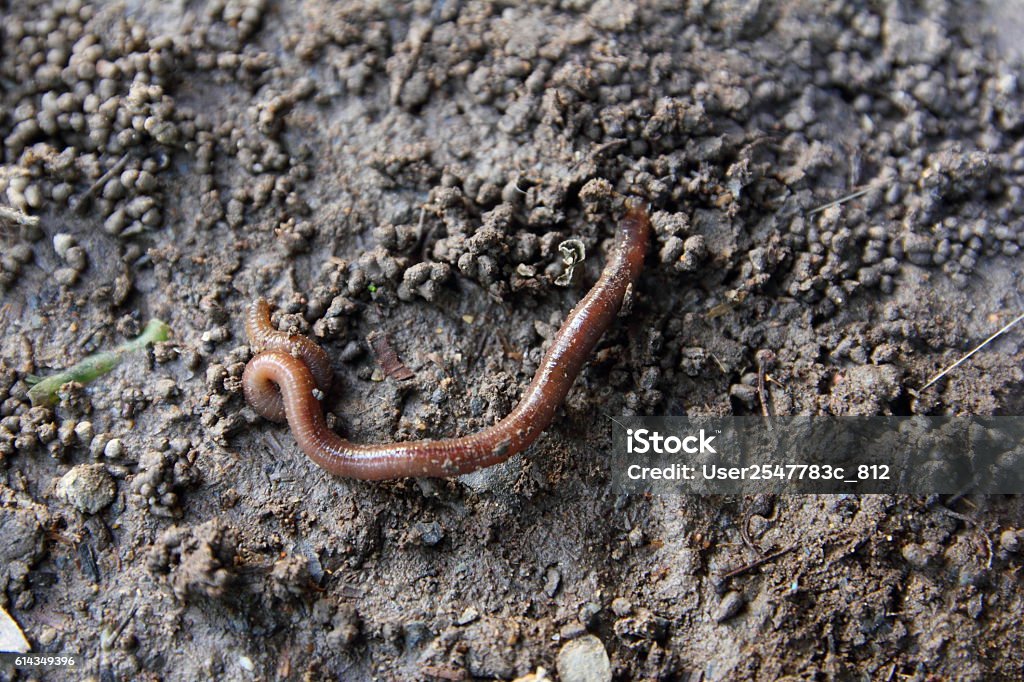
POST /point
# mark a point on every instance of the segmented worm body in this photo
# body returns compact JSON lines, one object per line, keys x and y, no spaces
{"x":281,"y":378}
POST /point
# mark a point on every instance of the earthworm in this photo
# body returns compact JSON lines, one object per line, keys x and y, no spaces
{"x":295,"y":370}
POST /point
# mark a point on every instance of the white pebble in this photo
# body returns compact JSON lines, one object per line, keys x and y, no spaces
{"x":62,"y":241}
{"x":84,"y":432}
{"x":113,"y":449}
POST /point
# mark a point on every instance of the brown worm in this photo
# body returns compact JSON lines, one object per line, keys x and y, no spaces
{"x":283,"y":374}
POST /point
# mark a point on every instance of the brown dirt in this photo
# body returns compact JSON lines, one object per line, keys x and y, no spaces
{"x":410,"y":170}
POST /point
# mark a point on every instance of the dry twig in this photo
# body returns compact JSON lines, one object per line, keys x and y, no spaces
{"x":964,"y":359}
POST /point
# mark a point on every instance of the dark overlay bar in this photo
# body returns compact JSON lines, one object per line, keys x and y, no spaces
{"x":748,"y":455}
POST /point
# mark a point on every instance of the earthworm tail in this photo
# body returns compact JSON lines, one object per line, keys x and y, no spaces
{"x":287,"y":367}
{"x":264,"y":337}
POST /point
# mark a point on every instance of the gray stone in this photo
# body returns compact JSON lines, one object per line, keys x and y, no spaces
{"x":584,"y":660}
{"x":87,"y":487}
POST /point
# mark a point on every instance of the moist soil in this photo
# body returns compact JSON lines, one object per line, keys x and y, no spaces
{"x":835,"y":191}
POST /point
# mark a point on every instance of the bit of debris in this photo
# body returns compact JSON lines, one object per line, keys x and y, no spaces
{"x":13,"y":215}
{"x":964,"y":359}
{"x":387,"y":358}
{"x":573,"y":253}
{"x":44,"y":390}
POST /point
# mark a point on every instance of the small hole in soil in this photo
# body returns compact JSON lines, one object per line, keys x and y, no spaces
{"x":900,"y":405}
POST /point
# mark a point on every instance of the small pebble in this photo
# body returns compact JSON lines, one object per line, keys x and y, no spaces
{"x":165,"y":389}
{"x":730,"y":605}
{"x":84,"y":432}
{"x":571,"y":630}
{"x":552,"y":581}
{"x":65,"y":276}
{"x":47,"y":635}
{"x":621,"y":607}
{"x":588,"y":614}
{"x":636,"y":536}
{"x":76,"y":258}
{"x":430,"y":534}
{"x":467,"y":616}
{"x":114,"y":449}
{"x":87,"y":487}
{"x":584,"y":660}
{"x":62,"y":241}
{"x":1010,"y":541}
{"x":98,"y":444}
